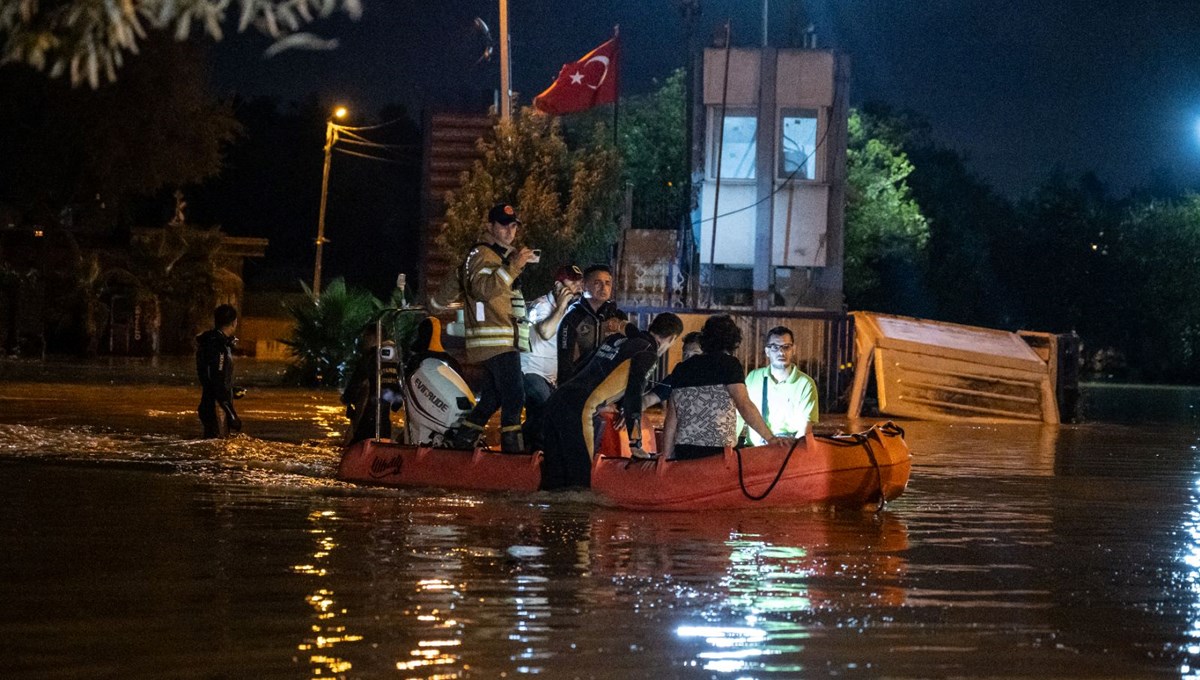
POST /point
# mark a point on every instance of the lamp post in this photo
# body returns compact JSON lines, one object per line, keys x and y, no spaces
{"x":331,"y":130}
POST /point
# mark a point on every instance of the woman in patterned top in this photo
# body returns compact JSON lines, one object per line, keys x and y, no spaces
{"x":707,"y":394}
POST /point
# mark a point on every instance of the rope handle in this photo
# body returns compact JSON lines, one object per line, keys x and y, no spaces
{"x":778,"y":475}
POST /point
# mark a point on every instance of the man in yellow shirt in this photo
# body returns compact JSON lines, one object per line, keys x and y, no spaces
{"x":786,"y":397}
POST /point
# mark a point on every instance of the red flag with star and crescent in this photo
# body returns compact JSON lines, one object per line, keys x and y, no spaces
{"x":582,"y":84}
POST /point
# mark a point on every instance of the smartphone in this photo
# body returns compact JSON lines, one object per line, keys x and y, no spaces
{"x":537,"y":255}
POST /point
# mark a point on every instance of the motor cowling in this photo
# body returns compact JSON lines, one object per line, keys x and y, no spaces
{"x":437,"y":398}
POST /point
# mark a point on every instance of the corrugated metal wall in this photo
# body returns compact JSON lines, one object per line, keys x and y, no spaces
{"x":450,"y":149}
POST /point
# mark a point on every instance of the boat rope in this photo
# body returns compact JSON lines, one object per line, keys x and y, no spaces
{"x":778,"y":475}
{"x":865,"y":439}
{"x":866,"y":442}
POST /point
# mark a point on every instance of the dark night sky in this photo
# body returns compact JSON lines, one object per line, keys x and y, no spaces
{"x":1018,"y":86}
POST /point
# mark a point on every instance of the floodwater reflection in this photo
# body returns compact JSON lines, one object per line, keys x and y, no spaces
{"x":328,"y":632}
{"x":787,"y":573}
{"x":1018,"y":551}
{"x":1189,"y":578}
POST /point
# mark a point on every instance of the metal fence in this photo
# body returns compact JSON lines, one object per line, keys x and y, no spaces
{"x":824,"y":344}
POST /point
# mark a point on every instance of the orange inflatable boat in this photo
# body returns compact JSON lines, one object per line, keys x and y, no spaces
{"x":840,"y":470}
{"x":387,"y":463}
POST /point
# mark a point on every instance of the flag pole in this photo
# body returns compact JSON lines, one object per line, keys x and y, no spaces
{"x":617,"y":99}
{"x":505,"y":66}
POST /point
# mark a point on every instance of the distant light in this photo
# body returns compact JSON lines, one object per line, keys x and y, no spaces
{"x":38,"y":233}
{"x":340,"y":112}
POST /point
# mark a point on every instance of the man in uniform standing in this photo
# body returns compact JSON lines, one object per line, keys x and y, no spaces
{"x":496,"y":329}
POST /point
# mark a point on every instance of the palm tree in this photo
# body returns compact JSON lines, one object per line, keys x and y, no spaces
{"x":181,"y":277}
{"x":12,"y":281}
{"x":323,"y":341}
{"x":85,"y":282}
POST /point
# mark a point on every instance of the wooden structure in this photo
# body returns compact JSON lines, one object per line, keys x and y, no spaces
{"x":648,"y":271}
{"x":451,"y":148}
{"x":942,"y":371}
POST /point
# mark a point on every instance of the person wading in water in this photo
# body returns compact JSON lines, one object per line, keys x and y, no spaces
{"x":214,"y":368}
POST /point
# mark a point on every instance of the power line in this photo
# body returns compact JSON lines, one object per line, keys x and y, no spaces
{"x":786,"y":181}
{"x":368,"y":156}
{"x":372,"y":127}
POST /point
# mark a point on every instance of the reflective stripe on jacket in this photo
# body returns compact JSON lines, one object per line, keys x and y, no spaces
{"x":493,"y":309}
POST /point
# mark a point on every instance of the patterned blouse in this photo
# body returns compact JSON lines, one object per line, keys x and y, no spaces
{"x":705,"y":411}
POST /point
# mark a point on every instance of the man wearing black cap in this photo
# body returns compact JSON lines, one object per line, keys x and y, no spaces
{"x":540,"y":363}
{"x":496,"y":329}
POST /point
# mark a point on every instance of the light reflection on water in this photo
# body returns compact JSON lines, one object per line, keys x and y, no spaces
{"x":1018,"y":551}
{"x":328,"y":632}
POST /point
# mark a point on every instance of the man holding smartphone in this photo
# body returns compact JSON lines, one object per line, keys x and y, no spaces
{"x":540,"y":363}
{"x":496,"y":329}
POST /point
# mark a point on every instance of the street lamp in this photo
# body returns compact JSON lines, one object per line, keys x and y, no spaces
{"x":331,"y":130}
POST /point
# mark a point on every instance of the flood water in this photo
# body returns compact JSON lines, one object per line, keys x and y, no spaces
{"x":1018,"y":551}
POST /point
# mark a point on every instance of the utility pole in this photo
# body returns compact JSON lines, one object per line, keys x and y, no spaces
{"x":692,"y":155}
{"x":331,"y":130}
{"x":505,"y":66}
{"x":765,"y":12}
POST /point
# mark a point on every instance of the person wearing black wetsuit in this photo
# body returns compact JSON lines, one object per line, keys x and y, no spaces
{"x":214,"y":368}
{"x":617,"y":372}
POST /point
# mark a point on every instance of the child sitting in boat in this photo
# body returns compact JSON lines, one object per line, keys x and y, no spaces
{"x":708,"y":394}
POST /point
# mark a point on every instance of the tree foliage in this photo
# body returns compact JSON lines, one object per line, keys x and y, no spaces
{"x":1068,"y":257}
{"x":1150,"y":313}
{"x":655,"y":156}
{"x":567,"y":199}
{"x":1061,"y":242}
{"x":179,"y":272}
{"x":884,"y":225}
{"x":88,"y":40}
{"x":77,"y":157}
{"x":322,"y":343}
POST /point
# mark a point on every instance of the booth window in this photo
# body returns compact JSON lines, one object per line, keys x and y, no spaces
{"x":737,"y":149}
{"x":798,"y":144}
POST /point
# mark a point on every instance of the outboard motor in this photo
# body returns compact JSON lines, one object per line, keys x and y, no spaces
{"x":436,"y":398}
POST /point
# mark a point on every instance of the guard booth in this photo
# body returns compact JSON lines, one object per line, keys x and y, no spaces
{"x":772,"y":178}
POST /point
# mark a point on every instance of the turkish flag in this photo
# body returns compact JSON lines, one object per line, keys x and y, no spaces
{"x":589,"y":82}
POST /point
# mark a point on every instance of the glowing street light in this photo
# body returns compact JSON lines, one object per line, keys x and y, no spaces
{"x":331,"y":135}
